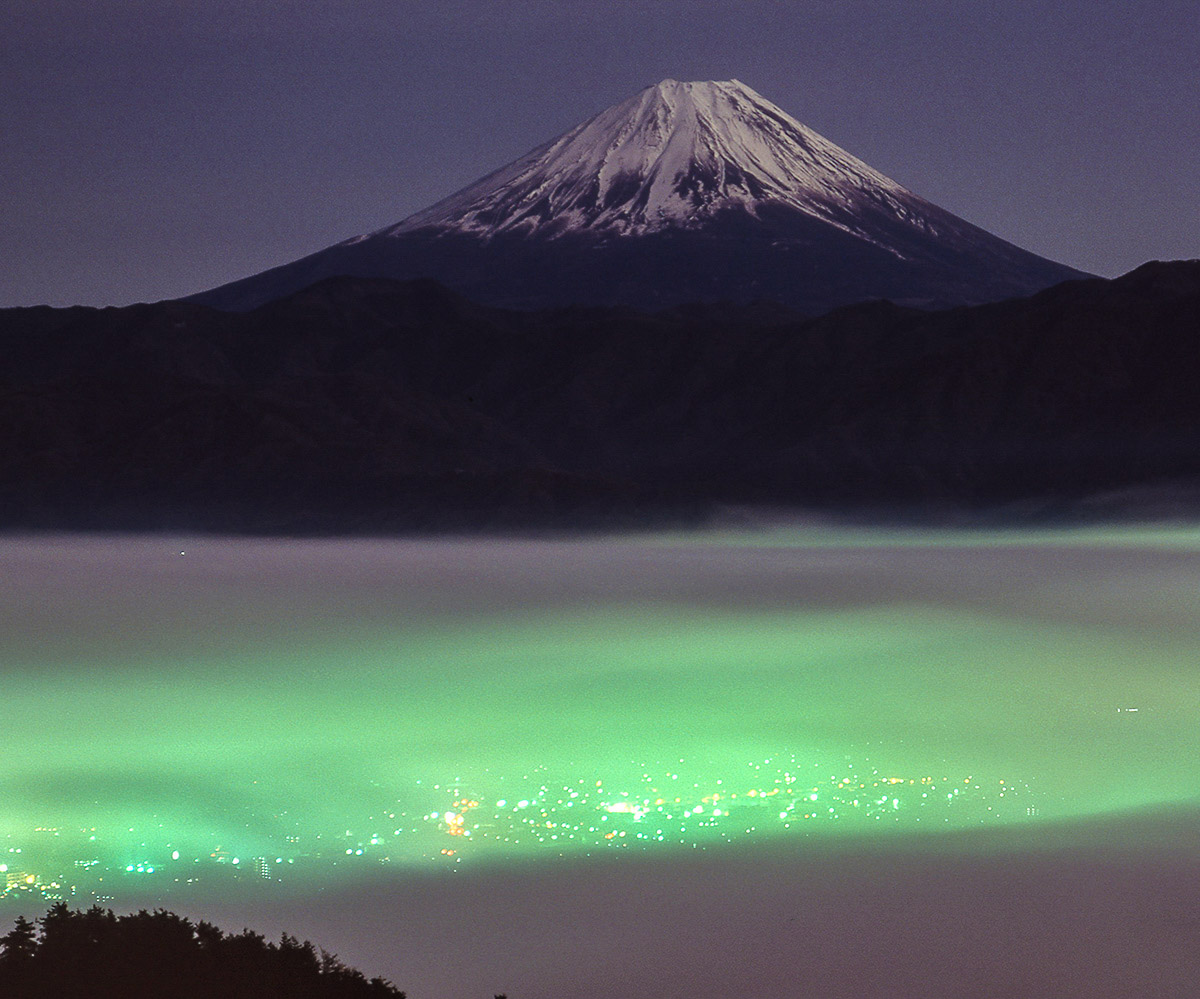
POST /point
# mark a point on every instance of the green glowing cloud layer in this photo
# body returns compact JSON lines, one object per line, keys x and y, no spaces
{"x":248,"y":691}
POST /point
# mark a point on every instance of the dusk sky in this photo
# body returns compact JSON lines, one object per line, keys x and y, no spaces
{"x":154,"y":150}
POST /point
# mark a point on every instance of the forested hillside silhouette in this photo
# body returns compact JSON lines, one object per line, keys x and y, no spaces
{"x":95,"y":954}
{"x":382,"y":407}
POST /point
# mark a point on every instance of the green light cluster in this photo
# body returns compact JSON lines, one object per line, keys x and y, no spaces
{"x":252,"y":697}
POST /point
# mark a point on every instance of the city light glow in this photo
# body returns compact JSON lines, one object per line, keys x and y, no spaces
{"x":296,"y":713}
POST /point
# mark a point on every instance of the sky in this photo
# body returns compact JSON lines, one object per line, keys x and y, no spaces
{"x":155,"y":150}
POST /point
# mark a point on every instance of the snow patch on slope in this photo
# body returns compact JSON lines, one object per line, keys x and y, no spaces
{"x":673,"y":155}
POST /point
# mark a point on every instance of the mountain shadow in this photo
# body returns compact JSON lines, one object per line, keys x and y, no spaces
{"x":378,"y":406}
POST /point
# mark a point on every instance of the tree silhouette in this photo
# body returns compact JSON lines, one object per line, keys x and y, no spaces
{"x":159,"y":955}
{"x":19,"y":944}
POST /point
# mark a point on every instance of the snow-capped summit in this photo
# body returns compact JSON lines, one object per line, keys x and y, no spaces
{"x":694,"y":191}
{"x":673,"y":155}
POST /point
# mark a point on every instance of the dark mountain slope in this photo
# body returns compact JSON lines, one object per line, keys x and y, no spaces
{"x":374,"y":405}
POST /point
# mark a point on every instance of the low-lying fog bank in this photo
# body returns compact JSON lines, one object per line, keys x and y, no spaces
{"x":1108,"y":909}
{"x":723,"y":763}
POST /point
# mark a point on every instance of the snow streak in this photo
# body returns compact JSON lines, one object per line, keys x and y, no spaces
{"x":674,"y":155}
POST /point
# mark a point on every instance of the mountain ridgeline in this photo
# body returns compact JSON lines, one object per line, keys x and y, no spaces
{"x":685,"y":192}
{"x":374,"y":405}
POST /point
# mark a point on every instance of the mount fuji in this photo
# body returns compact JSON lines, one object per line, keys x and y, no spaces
{"x":685,"y":192}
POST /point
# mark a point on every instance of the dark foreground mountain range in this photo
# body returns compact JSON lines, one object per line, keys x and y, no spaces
{"x":370,"y":405}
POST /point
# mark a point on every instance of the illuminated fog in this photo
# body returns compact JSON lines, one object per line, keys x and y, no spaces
{"x":345,"y":715}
